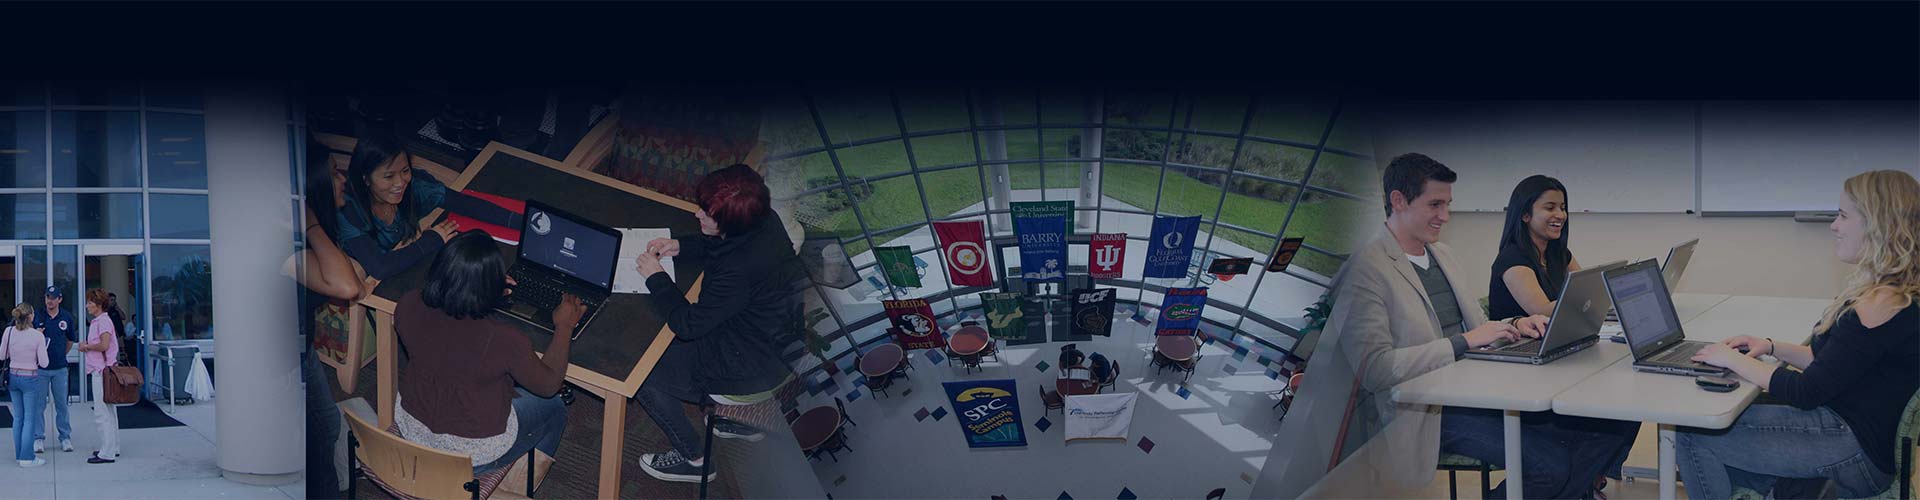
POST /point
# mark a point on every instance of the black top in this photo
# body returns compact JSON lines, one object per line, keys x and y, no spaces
{"x":1500,"y":301}
{"x":1864,"y":375}
{"x":381,"y":260}
{"x":748,"y":308}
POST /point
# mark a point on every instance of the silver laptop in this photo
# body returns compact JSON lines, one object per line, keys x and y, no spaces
{"x":560,"y":254}
{"x":1653,"y":329}
{"x":1575,"y":325}
{"x":1677,"y":263}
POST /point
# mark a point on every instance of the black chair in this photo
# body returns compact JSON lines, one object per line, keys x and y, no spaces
{"x":842,"y":406}
{"x":1113,"y":375}
{"x":837,"y":441}
{"x":879,"y":385}
{"x":1217,"y":494}
{"x":1052,"y":400}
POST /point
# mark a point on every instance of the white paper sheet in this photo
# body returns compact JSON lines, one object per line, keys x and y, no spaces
{"x":633,"y":241}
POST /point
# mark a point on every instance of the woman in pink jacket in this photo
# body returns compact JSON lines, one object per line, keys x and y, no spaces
{"x":26,"y":351}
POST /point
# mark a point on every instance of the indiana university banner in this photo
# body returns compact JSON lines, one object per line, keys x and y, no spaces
{"x":897,"y":264}
{"x":1170,"y":246}
{"x":1006,"y":320}
{"x":1106,"y":255}
{"x":1100,"y":416}
{"x":1283,"y":255}
{"x":1093,"y":311}
{"x":988,"y":412}
{"x":1180,"y":312}
{"x":914,"y":318}
{"x":964,"y":243}
{"x":1041,"y":227}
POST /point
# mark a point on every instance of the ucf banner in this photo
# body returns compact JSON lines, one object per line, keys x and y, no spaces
{"x":1100,"y":416}
{"x":1106,"y":255}
{"x":1041,"y":227}
{"x":1093,"y":312}
{"x":1006,"y":320}
{"x":1180,"y":312}
{"x":914,"y":319}
{"x":1170,"y":246}
{"x":964,"y":244}
{"x":988,"y":412}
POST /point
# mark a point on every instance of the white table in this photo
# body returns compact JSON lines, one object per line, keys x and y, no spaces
{"x":1621,"y":393}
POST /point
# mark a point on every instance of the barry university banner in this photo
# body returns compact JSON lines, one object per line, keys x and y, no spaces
{"x":1180,"y":312}
{"x":1171,"y":246}
{"x":1041,"y":227}
{"x":988,"y":412}
{"x":1106,"y":255}
{"x":964,"y":243}
{"x":913,"y":319}
{"x":1100,"y":416}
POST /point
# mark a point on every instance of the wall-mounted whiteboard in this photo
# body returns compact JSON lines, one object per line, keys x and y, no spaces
{"x":1613,"y":156}
{"x":1792,"y":155}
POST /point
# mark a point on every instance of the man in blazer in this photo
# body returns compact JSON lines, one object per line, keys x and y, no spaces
{"x":1396,"y":315}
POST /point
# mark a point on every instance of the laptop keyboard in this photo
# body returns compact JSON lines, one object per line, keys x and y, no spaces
{"x":543,"y":292}
{"x":1528,"y":346}
{"x":1680,"y":354}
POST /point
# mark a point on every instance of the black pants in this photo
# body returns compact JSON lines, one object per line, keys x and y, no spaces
{"x":323,"y":429}
{"x":666,"y":389}
{"x":1564,"y":455}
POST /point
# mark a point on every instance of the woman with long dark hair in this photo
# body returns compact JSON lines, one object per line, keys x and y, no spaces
{"x":328,"y":275}
{"x":379,"y":225}
{"x":1534,"y":260}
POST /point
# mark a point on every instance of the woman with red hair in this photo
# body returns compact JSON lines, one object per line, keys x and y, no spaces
{"x":724,"y":343}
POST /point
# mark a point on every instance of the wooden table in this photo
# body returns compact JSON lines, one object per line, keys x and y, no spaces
{"x":1075,"y":386}
{"x":969,"y":340}
{"x":882,"y":360}
{"x":816,"y":425}
{"x":1177,"y":347}
{"x":619,"y":349}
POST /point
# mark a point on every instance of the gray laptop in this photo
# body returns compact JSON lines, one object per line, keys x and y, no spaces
{"x":1653,"y":329}
{"x":1575,"y":325}
{"x":1677,"y":263}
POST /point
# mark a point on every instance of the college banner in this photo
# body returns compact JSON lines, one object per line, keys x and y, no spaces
{"x":1041,"y":227}
{"x":1170,"y":247}
{"x":965,"y":245}
{"x":1283,"y":255}
{"x":1100,"y":416}
{"x":897,"y":264}
{"x":1180,"y":312}
{"x":914,"y":319}
{"x":1106,"y":255}
{"x":1006,"y":320}
{"x":1226,"y":268}
{"x":988,"y":412}
{"x":1093,"y":311}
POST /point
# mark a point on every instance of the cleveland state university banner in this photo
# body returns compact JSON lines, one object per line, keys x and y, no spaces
{"x":1170,"y":246}
{"x":1180,"y":312}
{"x":913,"y":319}
{"x":1041,"y":228}
{"x":988,"y":412}
{"x":964,"y":244}
{"x":1093,"y":311}
{"x":1006,"y":320}
{"x":1106,"y":255}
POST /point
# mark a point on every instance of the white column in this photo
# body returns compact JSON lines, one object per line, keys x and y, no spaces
{"x":1090,"y":147}
{"x":259,"y":407}
{"x":994,"y":147}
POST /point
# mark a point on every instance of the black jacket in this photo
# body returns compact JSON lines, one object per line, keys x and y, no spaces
{"x":748,"y":308}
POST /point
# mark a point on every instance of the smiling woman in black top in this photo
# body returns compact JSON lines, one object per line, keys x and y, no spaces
{"x":1854,"y":380}
{"x":1534,"y":260}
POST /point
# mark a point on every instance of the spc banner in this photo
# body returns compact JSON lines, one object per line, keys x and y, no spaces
{"x":1100,"y":416}
{"x":1180,"y":312}
{"x":1006,"y":320}
{"x":1093,"y":311}
{"x":964,"y":243}
{"x":1171,"y":246}
{"x":1283,"y":255}
{"x":988,"y":412}
{"x":914,"y":320}
{"x":1041,"y":227}
{"x":1107,"y":255}
{"x":897,"y":264}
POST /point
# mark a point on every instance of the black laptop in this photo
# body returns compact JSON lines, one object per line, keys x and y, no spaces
{"x":1575,"y":324}
{"x":1653,"y":329}
{"x":561,"y":253}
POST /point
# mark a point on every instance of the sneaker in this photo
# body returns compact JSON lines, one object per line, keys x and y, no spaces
{"x":33,"y":463}
{"x":729,"y":429}
{"x":66,"y":445}
{"x":670,"y":466}
{"x":39,"y":446}
{"x":95,"y":459}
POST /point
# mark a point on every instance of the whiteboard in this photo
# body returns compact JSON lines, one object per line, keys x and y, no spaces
{"x":1613,"y":156}
{"x":1792,"y":155}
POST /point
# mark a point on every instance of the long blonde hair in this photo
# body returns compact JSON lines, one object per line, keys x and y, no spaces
{"x":22,"y":316}
{"x":1889,"y":201}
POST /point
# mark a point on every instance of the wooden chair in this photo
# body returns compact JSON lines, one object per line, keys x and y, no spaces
{"x":1052,"y":399}
{"x":409,"y":470}
{"x":1286,"y":395}
{"x":1460,"y":463}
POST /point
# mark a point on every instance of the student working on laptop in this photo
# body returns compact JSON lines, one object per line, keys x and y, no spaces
{"x":1534,"y":260}
{"x":380,"y":222}
{"x":1397,"y":316}
{"x":1852,"y":384}
{"x":457,"y":389}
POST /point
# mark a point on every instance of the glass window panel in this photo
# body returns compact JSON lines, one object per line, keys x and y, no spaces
{"x":1188,"y":192}
{"x":1291,"y":117}
{"x":97,"y":149}
{"x":1219,"y":111}
{"x":943,"y":150}
{"x":1274,"y":160}
{"x":23,"y":149}
{"x":1350,"y":135}
{"x":1237,"y":243}
{"x":1141,"y":108}
{"x":96,"y":215}
{"x":1257,"y":204}
{"x":117,"y":274}
{"x":801,"y":173}
{"x":1133,"y":186}
{"x":180,"y":216}
{"x":1133,"y":144}
{"x":1026,"y":181}
{"x":789,"y":127}
{"x":1205,"y":151}
{"x":892,"y":202}
{"x":1016,"y":106}
{"x":182,"y":292}
{"x":9,"y":276}
{"x":1336,"y":224}
{"x":177,"y":150}
{"x":859,"y":251}
{"x":23,"y":93}
{"x":1136,"y":225}
{"x":827,"y":213}
{"x":1063,"y":106}
{"x":873,"y":159}
{"x":933,"y":276}
{"x":953,"y":191}
{"x":870,"y":332}
{"x":174,"y":95}
{"x":934,"y":109}
{"x":915,"y":238}
{"x":96,"y":93}
{"x":23,"y":216}
{"x":1023,"y":143}
{"x":1347,"y":174}
{"x":852,"y":114}
{"x":1284,"y":298}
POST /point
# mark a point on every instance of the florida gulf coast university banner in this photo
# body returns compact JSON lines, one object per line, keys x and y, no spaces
{"x":1170,"y":246}
{"x":988,"y":412}
{"x":1100,"y":416}
{"x":1041,"y":227}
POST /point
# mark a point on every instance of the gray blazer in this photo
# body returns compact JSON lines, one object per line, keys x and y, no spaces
{"x":1344,"y":426}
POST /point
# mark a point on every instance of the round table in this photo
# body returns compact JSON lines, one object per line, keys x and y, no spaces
{"x":969,"y":340}
{"x":1075,"y":387}
{"x":1177,"y":347}
{"x":882,"y":360}
{"x":816,"y":425}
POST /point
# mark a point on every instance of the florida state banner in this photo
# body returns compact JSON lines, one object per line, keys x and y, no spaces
{"x":1180,"y":311}
{"x":1107,"y":256}
{"x":964,"y":243}
{"x":1093,"y":311}
{"x":914,"y":319}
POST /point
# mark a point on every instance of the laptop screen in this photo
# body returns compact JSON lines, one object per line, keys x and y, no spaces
{"x":570,"y":247}
{"x":1677,"y":263}
{"x":1646,"y":310}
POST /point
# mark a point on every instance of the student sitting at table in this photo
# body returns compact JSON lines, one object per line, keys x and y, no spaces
{"x":1534,"y":260}
{"x":1398,"y":316}
{"x":729,"y":341}
{"x":1844,"y":401}
{"x":1101,"y":368}
{"x":457,"y":389}
{"x":380,"y":223}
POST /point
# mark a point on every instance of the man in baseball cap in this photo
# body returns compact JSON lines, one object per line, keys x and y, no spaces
{"x":58,"y":328}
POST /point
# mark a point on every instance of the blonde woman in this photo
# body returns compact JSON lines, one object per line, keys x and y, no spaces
{"x":26,"y":351}
{"x":101,"y":348}
{"x":1845,"y":401}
